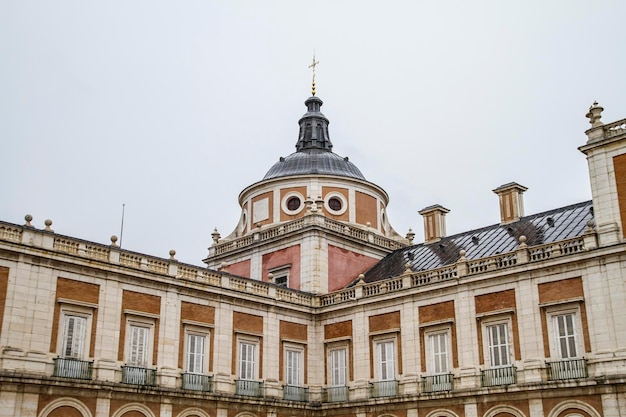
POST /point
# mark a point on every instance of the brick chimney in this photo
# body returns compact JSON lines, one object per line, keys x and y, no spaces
{"x":434,"y":222}
{"x":511,"y":202}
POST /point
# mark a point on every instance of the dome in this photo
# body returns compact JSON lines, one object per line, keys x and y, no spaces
{"x":314,"y":161}
{"x":314,"y":153}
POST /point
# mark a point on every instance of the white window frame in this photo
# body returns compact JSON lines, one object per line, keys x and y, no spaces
{"x":66,"y":313}
{"x":204,"y":351}
{"x":489,"y":349}
{"x":385,"y":354}
{"x":149,"y":325}
{"x":434,"y":364}
{"x":281,"y":272}
{"x":293,"y":358}
{"x":552,"y":316}
{"x":243,"y":356}
{"x":338,"y":365}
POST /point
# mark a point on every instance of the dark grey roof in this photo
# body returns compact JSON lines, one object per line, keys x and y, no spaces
{"x":314,"y":150}
{"x":550,"y":226}
{"x":314,"y":161}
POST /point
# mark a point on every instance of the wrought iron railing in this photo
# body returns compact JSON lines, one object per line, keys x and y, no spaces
{"x":295,"y":393}
{"x":383,"y":389}
{"x":249,"y":388}
{"x":567,"y":369}
{"x":137,"y":375}
{"x":499,"y":376}
{"x":335,"y":394}
{"x":73,"y":368}
{"x":438,"y":383}
{"x":198,"y":382}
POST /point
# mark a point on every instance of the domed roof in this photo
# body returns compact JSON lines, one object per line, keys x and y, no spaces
{"x":314,"y":153}
{"x":314,"y":161}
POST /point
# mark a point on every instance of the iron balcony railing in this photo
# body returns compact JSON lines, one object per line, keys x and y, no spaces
{"x":198,"y":382}
{"x":73,"y":368}
{"x":438,"y":383}
{"x":295,"y":393}
{"x":249,"y":388}
{"x":335,"y":394}
{"x":567,"y":369}
{"x":137,"y":375}
{"x":499,"y":376}
{"x":383,"y":389}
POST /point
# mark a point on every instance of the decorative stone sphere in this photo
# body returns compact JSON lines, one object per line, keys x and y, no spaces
{"x":113,"y":239}
{"x":522,"y":239}
{"x":172,"y":252}
{"x":48,"y":222}
{"x":462,"y":253}
{"x":28,"y":218}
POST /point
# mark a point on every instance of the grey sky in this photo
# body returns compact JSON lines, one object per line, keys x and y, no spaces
{"x":174,"y":107}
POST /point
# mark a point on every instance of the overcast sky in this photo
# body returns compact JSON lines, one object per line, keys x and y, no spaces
{"x":172,"y":108}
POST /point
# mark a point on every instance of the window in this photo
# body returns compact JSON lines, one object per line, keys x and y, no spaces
{"x":196,"y":348}
{"x":291,"y":203}
{"x":566,"y":335}
{"x":138,"y":346}
{"x":336,"y":203}
{"x":498,"y":345}
{"x":338,"y":367}
{"x":280,"y":275}
{"x":293,"y":367}
{"x":438,"y":353}
{"x":248,"y":359}
{"x":74,"y":329}
{"x":385,"y":354}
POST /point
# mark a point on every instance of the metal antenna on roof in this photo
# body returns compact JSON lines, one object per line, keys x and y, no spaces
{"x":122,"y":228}
{"x":312,"y":66}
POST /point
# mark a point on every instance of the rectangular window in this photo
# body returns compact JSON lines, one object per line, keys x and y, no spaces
{"x":499,"y":349}
{"x":247,"y":360}
{"x":138,"y":345}
{"x":338,"y":367}
{"x":74,"y":330}
{"x":293,"y":365}
{"x":565,"y":326}
{"x":385,"y":352}
{"x":439,"y":356}
{"x":196,"y":348}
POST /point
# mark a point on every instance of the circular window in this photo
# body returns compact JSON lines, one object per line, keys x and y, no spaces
{"x":293,"y":203}
{"x":335,"y":204}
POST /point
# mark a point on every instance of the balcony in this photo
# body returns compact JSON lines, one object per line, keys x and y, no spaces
{"x":567,"y":369}
{"x":198,"y":382}
{"x":72,"y":368}
{"x":383,"y":389}
{"x":499,"y":376}
{"x":437,"y":383}
{"x":335,"y":394}
{"x":249,"y":388}
{"x":137,"y":375}
{"x":294,"y":393}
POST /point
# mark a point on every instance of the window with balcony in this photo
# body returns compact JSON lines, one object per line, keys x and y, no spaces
{"x":138,"y":354}
{"x":386,"y":384}
{"x":248,"y":368}
{"x":294,"y":375}
{"x":74,"y":343}
{"x":498,"y":348}
{"x":196,"y":361}
{"x":438,"y":360}
{"x":338,"y":374}
{"x":566,"y":344}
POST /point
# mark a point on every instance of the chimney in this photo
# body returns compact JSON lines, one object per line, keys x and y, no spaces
{"x":434,"y":222}
{"x":511,"y":202}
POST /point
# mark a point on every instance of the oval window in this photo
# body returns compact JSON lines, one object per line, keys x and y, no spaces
{"x":334,"y":204}
{"x":293,"y":204}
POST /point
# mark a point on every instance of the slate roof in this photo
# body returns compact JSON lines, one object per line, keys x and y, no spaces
{"x":547,"y":227}
{"x":314,"y":161}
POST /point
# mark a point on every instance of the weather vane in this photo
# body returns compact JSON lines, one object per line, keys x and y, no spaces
{"x":312,"y":66}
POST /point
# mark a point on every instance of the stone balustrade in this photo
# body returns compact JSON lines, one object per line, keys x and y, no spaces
{"x":114,"y":255}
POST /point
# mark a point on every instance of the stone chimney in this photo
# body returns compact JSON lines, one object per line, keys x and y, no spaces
{"x":434,"y":222}
{"x":511,"y":202}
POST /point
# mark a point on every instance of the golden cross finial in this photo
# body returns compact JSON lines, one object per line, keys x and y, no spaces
{"x":312,"y":66}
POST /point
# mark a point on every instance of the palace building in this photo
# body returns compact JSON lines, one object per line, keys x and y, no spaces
{"x":315,"y":306}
